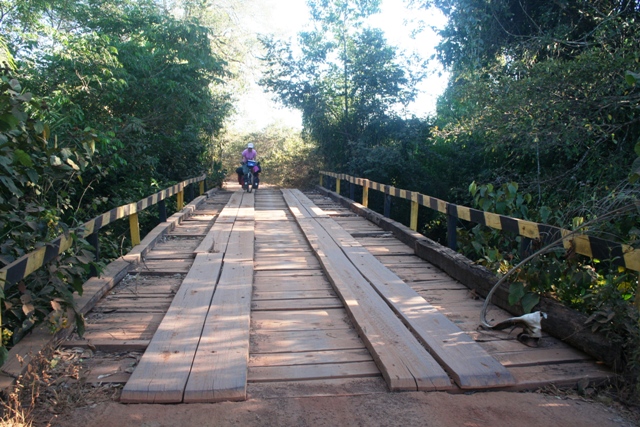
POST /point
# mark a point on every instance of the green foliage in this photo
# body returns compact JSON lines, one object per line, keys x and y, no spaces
{"x":127,"y":100}
{"x":286,"y":158}
{"x":38,"y":177}
{"x":347,"y":81}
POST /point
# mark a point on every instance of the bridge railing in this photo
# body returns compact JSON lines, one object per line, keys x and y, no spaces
{"x":27,"y":264}
{"x":591,"y":246}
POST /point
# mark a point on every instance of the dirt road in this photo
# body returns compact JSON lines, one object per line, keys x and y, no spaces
{"x":493,"y":409}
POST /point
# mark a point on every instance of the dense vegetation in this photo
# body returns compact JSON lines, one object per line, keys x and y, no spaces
{"x":102,"y":103}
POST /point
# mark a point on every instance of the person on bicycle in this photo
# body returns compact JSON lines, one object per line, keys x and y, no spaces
{"x":248,"y":154}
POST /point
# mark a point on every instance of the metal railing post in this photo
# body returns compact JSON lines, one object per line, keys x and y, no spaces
{"x":162,"y":211}
{"x":180,"y":199}
{"x":365,"y":193}
{"x":387,"y":203}
{"x":95,"y":242}
{"x":452,"y":239}
{"x":190,"y":195}
{"x":134,"y":227}
{"x":413,"y":223}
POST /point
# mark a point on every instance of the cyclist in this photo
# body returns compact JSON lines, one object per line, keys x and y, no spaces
{"x":248,"y":154}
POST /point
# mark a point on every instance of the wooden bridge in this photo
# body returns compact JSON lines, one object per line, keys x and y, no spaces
{"x":284,"y":293}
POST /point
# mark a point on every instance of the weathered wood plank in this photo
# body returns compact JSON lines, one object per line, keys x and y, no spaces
{"x":164,"y":368}
{"x":404,"y":363}
{"x":305,"y":341}
{"x":265,"y":295}
{"x":296,"y":304}
{"x":469,"y":364}
{"x":560,"y":375}
{"x":166,"y":265}
{"x":219,"y":371}
{"x":291,"y":284}
{"x":303,"y":320}
{"x":218,"y":235}
{"x":108,"y":346}
{"x":310,"y":357}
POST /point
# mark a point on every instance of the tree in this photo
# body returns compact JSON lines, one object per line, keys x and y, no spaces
{"x":538,"y":94}
{"x":347,"y":81}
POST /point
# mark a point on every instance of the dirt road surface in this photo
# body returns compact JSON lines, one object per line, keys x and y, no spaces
{"x":495,"y":409}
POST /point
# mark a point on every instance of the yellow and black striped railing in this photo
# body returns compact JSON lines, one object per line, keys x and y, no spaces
{"x":27,"y":264}
{"x":591,"y":246}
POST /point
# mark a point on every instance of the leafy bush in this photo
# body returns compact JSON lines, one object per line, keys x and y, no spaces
{"x":37,"y":181}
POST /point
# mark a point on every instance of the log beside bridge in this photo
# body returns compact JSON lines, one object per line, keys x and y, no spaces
{"x":285,"y":293}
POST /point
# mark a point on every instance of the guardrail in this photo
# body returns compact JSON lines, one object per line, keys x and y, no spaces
{"x":591,"y":246}
{"x":27,"y":264}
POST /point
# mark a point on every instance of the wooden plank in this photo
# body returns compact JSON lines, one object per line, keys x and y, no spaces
{"x":291,"y":284}
{"x":310,"y":357}
{"x":292,"y":263}
{"x":296,"y":304}
{"x":303,"y":320}
{"x":268,"y":294}
{"x":300,"y":274}
{"x":468,"y":364}
{"x":535,"y":356}
{"x":219,"y":371}
{"x":121,"y":334}
{"x":108,"y":346}
{"x":218,"y":235}
{"x":430,"y":285}
{"x":404,"y":363}
{"x":284,"y":253}
{"x":167,"y":265}
{"x":93,"y":319}
{"x":169,"y":255}
{"x":164,"y":368}
{"x":305,"y":341}
{"x":560,"y":375}
{"x":313,"y":372}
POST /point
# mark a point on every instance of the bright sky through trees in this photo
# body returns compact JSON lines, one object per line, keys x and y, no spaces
{"x":285,"y":18}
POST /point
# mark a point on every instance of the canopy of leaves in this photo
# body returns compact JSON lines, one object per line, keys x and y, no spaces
{"x":105,"y":103}
{"x":347,"y":81}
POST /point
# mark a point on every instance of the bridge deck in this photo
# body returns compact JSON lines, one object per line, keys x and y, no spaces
{"x":279,"y":293}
